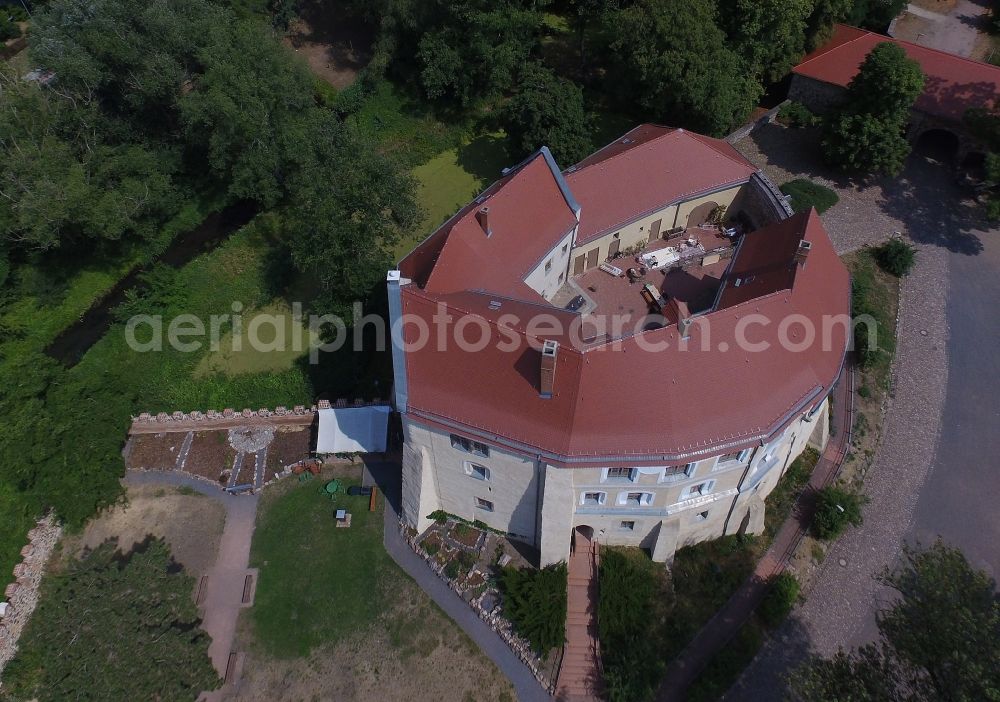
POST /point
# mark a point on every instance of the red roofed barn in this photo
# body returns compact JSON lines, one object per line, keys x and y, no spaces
{"x":636,"y":347}
{"x":954,"y":84}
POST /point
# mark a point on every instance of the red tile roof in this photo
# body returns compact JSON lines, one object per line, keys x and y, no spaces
{"x":528,"y":214}
{"x":647,"y":169}
{"x":619,"y":401}
{"x":954,"y":84}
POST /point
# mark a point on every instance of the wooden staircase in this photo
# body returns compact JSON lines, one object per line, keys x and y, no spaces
{"x":580,"y":674}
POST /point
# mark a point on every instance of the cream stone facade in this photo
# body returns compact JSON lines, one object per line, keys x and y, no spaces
{"x":658,"y":508}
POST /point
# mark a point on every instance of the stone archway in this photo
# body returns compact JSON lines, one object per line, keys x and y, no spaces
{"x":937,"y":144}
{"x":583,"y":535}
{"x":701,"y":214}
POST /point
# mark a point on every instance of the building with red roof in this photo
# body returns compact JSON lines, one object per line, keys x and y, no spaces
{"x":954,"y":84}
{"x":637,"y":346}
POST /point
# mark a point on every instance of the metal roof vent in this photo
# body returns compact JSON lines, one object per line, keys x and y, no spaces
{"x":494,"y":305}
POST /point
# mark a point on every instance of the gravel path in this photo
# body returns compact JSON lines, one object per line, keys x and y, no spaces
{"x":923,"y":204}
{"x":386,"y":476}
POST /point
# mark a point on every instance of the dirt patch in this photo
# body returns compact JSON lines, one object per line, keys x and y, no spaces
{"x":155,"y":451}
{"x":909,"y":26}
{"x":290,"y":445}
{"x":335,"y":47}
{"x":942,"y":6}
{"x":190,"y":522}
{"x":211,"y":456}
{"x":413,"y":653}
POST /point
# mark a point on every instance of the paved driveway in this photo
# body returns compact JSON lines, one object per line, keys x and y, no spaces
{"x":936,"y":469}
{"x":956,"y":31}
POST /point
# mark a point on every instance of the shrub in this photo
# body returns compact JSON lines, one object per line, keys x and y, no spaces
{"x":8,"y":28}
{"x":635,"y":595}
{"x":836,"y":507}
{"x":795,"y":114}
{"x":865,"y":391}
{"x":805,"y":194}
{"x":535,"y":603}
{"x":451,"y":570}
{"x":896,"y":257}
{"x":431,"y":548}
{"x":439,"y":516}
{"x":779,"y":599}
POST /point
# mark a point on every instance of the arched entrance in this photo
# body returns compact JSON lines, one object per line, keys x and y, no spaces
{"x":583,"y":536}
{"x":939,"y":145}
{"x":702,"y":213}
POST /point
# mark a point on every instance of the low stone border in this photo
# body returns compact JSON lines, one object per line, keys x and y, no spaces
{"x":503,"y":628}
{"x":149,"y":422}
{"x":22,"y":594}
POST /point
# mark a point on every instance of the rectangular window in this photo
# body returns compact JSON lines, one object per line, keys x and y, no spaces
{"x":735,"y":456}
{"x":699,"y":489}
{"x":484,"y":505}
{"x":618,"y":474}
{"x":548,"y":265}
{"x":593,"y":498}
{"x":627,"y":526}
{"x":470,"y":446}
{"x":477,"y":471}
{"x":565,"y":249}
{"x":675,"y":473}
{"x":635,"y":499}
{"x":561,"y":277}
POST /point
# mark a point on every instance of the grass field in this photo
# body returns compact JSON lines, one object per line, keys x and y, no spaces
{"x":318,"y":583}
{"x":335,"y":618}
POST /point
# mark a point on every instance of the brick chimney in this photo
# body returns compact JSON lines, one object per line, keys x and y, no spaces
{"x":548,"y":376}
{"x":802,"y":253}
{"x":680,"y":309}
{"x":483,"y":217}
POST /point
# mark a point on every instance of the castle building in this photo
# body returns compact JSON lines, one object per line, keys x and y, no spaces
{"x":636,"y":347}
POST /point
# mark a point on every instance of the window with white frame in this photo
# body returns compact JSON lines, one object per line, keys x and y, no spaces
{"x":470,"y":446}
{"x":627,"y":525}
{"x":484,"y":504}
{"x":728,"y":459}
{"x":698,"y":489}
{"x":619,"y":474}
{"x":672,"y":474}
{"x":593,"y":499}
{"x":477,"y":471}
{"x":635,"y":499}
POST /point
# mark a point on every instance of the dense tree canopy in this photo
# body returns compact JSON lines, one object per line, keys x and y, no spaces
{"x":115,"y":627}
{"x":770,"y":35}
{"x":866,"y":135}
{"x":939,"y":641}
{"x":548,"y":111}
{"x":678,"y":65}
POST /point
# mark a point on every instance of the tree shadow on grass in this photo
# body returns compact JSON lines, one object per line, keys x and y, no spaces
{"x":766,"y":678}
{"x":485,"y":157}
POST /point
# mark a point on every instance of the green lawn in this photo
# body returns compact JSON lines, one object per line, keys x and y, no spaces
{"x":318,"y":583}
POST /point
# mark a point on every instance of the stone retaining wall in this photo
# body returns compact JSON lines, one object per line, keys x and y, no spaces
{"x":494,"y":618}
{"x":155,"y":423}
{"x":21,"y":595}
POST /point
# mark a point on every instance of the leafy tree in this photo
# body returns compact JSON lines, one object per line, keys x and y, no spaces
{"x":548,"y":111}
{"x":864,"y":144}
{"x":940,"y":640}
{"x":769,"y":34}
{"x":825,"y":13}
{"x":866,"y":135}
{"x":114,"y":626}
{"x":469,"y":49}
{"x":874,"y":14}
{"x":8,"y":27}
{"x":584,"y":13}
{"x":887,"y":84}
{"x":779,"y":600}
{"x":896,"y":257}
{"x":250,"y":121}
{"x":350,"y":203}
{"x":675,"y":62}
{"x":535,"y":603}
{"x":836,"y":507}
